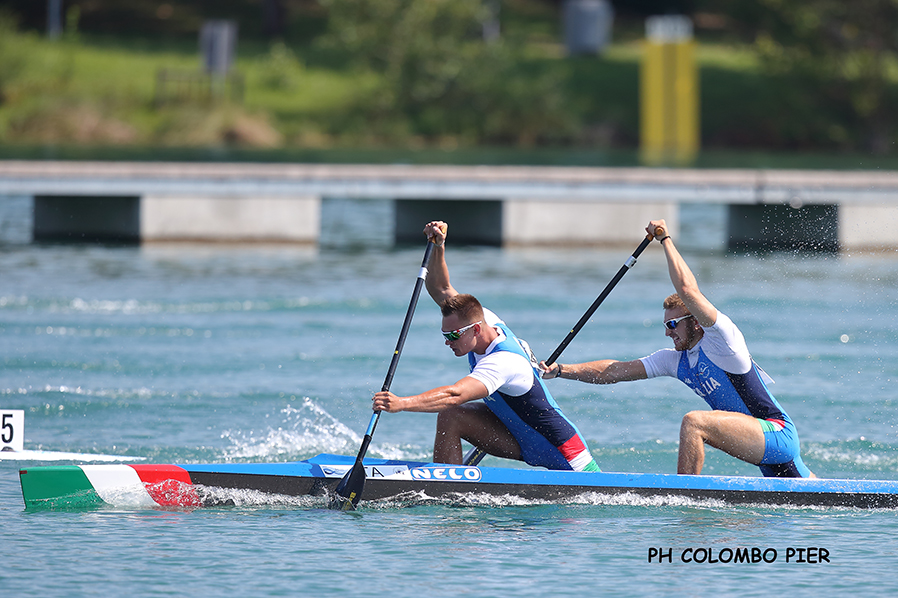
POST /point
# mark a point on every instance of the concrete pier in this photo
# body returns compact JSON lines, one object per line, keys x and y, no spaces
{"x":532,"y":222}
{"x":501,"y":205}
{"x":230,"y":219}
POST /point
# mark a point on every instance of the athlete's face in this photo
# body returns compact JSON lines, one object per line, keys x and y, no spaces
{"x":466,"y":332}
{"x":685,"y":334}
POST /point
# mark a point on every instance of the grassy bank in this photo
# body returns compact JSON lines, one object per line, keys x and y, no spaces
{"x":87,"y":94}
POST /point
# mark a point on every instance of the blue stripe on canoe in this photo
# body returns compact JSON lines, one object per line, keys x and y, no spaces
{"x":538,"y":477}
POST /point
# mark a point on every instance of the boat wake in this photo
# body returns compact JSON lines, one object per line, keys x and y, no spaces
{"x":588,"y":499}
{"x":413,"y":499}
{"x":236,"y":497}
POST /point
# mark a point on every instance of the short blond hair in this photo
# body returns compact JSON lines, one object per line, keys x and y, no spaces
{"x":673,"y":302}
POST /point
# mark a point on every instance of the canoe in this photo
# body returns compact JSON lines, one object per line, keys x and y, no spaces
{"x":198,"y":485}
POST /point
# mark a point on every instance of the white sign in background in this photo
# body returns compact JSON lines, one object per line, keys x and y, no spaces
{"x":12,"y":429}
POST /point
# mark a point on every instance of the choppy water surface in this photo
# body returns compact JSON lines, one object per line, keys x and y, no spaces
{"x":189,"y":353}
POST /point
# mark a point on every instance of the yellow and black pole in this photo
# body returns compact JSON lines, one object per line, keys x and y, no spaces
{"x":669,"y":113}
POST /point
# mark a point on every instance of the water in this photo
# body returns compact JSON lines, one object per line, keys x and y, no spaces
{"x":199,"y":354}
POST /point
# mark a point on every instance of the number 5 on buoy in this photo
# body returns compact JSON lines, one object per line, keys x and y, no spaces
{"x":12,"y":429}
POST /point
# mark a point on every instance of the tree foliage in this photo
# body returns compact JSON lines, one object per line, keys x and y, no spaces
{"x":12,"y":58}
{"x":840,"y":56}
{"x":439,"y":74}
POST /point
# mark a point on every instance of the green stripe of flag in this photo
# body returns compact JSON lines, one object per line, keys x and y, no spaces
{"x":57,"y":486}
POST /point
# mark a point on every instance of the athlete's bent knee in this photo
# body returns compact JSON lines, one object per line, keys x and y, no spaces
{"x":692,"y":421}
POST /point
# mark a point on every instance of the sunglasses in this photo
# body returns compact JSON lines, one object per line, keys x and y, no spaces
{"x":672,"y":324}
{"x":456,"y":334}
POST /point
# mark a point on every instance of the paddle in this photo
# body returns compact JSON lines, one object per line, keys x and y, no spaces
{"x":474,"y":455}
{"x":631,"y":261}
{"x":349,"y":490}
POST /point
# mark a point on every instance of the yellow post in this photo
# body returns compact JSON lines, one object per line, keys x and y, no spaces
{"x":669,"y":121}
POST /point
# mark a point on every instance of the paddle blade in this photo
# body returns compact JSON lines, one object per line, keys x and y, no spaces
{"x":349,"y":490}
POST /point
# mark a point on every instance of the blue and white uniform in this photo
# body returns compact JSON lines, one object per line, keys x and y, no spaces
{"x":518,"y":397}
{"x":720,"y":369}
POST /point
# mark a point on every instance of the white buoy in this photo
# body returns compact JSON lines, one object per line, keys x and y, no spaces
{"x":12,"y":444}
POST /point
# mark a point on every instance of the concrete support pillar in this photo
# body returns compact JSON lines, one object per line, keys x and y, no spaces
{"x":231,"y":219}
{"x":573,"y":223}
{"x":471,"y":222}
{"x":868,"y":227}
{"x":777,"y":227}
{"x":82,"y":219}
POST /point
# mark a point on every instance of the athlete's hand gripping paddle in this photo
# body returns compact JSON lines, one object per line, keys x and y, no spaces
{"x":349,"y":490}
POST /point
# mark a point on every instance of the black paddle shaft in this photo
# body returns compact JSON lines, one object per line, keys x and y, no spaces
{"x":476,"y":454}
{"x":595,"y":304}
{"x":349,"y":490}
{"x":406,"y":324}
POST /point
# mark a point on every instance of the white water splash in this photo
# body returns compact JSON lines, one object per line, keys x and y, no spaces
{"x":306,"y":429}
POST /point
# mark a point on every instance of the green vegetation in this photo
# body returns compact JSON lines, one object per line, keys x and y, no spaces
{"x":404,"y":74}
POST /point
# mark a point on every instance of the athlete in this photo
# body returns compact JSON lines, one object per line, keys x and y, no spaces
{"x":518,"y":418}
{"x":711,"y":357}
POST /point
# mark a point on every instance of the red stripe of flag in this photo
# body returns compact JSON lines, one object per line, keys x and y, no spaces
{"x":168,"y":485}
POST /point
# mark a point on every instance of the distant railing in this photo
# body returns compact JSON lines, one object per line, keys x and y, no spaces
{"x":182,"y":86}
